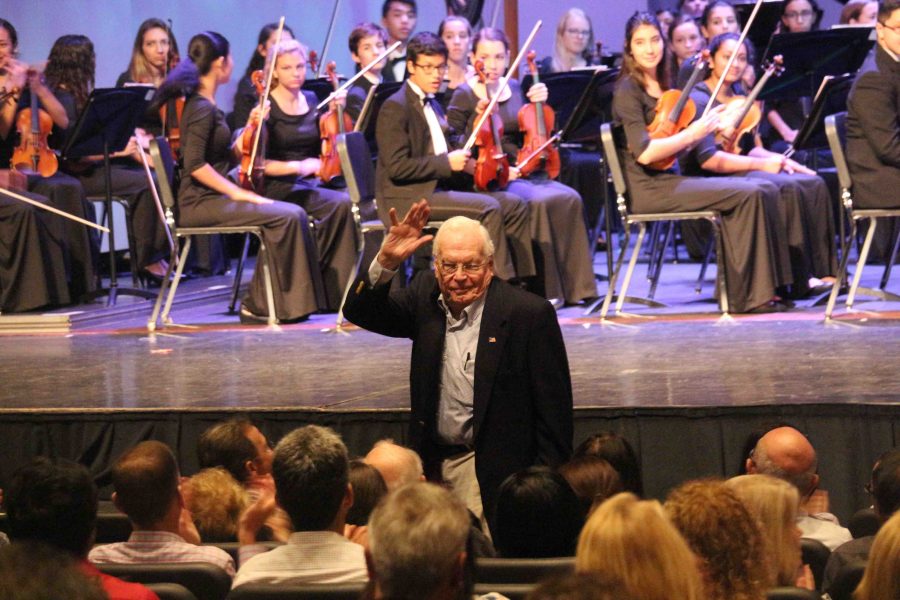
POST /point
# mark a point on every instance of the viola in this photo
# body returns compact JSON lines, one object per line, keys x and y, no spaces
{"x":253,"y":164}
{"x":674,"y":111}
{"x":313,"y":61}
{"x":332,"y":124}
{"x":33,"y":154}
{"x":742,"y":114}
{"x":170,"y":116}
{"x":492,"y":164}
{"x":535,"y":119}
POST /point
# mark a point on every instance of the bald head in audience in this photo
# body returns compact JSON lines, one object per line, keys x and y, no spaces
{"x":785,"y":453}
{"x":397,"y":464}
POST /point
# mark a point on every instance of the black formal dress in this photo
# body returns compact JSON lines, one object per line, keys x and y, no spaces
{"x":744,"y":204}
{"x":296,"y":137}
{"x":408,"y":170}
{"x":522,"y":391}
{"x":557,"y":226}
{"x":804,"y":207}
{"x":245,"y":100}
{"x":206,"y":140}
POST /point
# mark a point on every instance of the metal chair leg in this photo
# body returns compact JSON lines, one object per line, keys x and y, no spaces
{"x":614,"y":276}
{"x":890,"y":263}
{"x":267,"y":279}
{"x":841,"y":274}
{"x":642,"y":231}
{"x":706,"y":256}
{"x":660,"y":259}
{"x":238,"y":274}
{"x":721,"y":275}
{"x":154,"y":316}
{"x":171,"y":297}
{"x":861,"y":263}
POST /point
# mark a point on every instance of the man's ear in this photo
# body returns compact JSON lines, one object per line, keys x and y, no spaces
{"x":115,"y":501}
{"x":347,"y":503}
{"x":750,"y":466}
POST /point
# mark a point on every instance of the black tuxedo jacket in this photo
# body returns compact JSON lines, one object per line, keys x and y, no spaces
{"x":407,"y":168}
{"x":873,"y":133}
{"x":523,"y":393}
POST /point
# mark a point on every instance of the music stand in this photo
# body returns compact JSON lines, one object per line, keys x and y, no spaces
{"x":105,"y":125}
{"x":830,"y":99}
{"x":811,"y":56}
{"x":767,"y":19}
{"x":321,"y":87}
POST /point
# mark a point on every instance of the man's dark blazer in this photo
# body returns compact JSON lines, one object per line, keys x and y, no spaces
{"x":407,"y":168}
{"x":873,"y":133}
{"x":523,"y":393}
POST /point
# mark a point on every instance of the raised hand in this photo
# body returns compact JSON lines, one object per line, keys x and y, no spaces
{"x":404,"y":237}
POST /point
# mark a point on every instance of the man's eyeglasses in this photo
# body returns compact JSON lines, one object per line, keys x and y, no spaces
{"x":894,"y":28}
{"x":450,"y":268}
{"x":429,"y":69}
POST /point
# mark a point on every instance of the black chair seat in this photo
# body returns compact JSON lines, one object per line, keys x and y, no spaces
{"x":204,"y":580}
{"x":261,"y":591}
{"x":520,"y":570}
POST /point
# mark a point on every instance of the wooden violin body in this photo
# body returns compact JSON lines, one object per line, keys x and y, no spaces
{"x":170,"y":116}
{"x":492,"y":164}
{"x":33,"y":154}
{"x":332,"y":124}
{"x":535,"y":121}
{"x":250,"y":176}
{"x":742,"y":114}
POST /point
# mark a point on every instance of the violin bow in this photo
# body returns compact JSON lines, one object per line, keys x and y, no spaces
{"x":273,"y":56}
{"x":55,"y":211}
{"x":334,"y":12}
{"x":361,"y":72}
{"x":740,"y":43}
{"x":504,"y":82}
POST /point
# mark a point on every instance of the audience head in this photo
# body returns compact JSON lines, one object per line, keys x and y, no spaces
{"x":463,"y":261}
{"x":800,"y":15}
{"x":399,"y":18}
{"x":888,"y":26}
{"x":537,"y":515}
{"x":368,"y":488}
{"x":417,"y":544}
{"x":785,"y":453}
{"x":881,"y":580}
{"x":725,"y":536}
{"x":859,"y":12}
{"x":592,"y":479}
{"x":35,"y":571}
{"x":719,"y":17}
{"x":311,"y":479}
{"x":397,"y":464}
{"x":615,"y":449}
{"x":632,"y":543}
{"x":774,"y":503}
{"x":238,"y":446}
{"x":574,"y":38}
{"x":53,"y":501}
{"x":216,"y":501}
{"x":886,"y":484}
{"x":581,"y":586}
{"x":146,"y":480}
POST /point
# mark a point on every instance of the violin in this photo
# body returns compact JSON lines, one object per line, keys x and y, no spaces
{"x":253,"y":164}
{"x":33,"y":154}
{"x":674,"y":111}
{"x":535,"y":119}
{"x":170,"y":115}
{"x":332,"y":124}
{"x":492,"y":165}
{"x":313,"y":61}
{"x":743,"y":113}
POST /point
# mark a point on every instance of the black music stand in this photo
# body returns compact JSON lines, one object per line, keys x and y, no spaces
{"x":104,"y":126}
{"x":767,"y":19}
{"x":830,"y":99}
{"x":321,"y":87}
{"x":811,"y":56}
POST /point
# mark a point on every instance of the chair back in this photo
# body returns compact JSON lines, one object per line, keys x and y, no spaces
{"x":521,"y":570}
{"x":611,"y":155}
{"x":513,"y":591}
{"x":204,"y":580}
{"x":267,"y":591}
{"x":356,"y":162}
{"x":815,"y":554}
{"x":864,"y":522}
{"x":171,"y":591}
{"x":836,"y":132}
{"x":792,"y":593}
{"x":846,"y":580}
{"x":164,"y":164}
{"x":112,"y":527}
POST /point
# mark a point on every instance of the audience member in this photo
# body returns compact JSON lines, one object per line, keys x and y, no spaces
{"x":238,"y":446}
{"x":615,"y":449}
{"x":215,"y":500}
{"x":35,"y":571}
{"x":592,"y":479}
{"x":397,"y":464}
{"x":368,"y":488}
{"x":631,"y":543}
{"x":785,"y":453}
{"x":538,"y":515}
{"x":882,"y":577}
{"x":147,"y":490}
{"x":885,"y":490}
{"x":418,"y":545}
{"x":4,"y":541}
{"x":581,"y":586}
{"x":726,"y":538}
{"x":310,"y":469}
{"x":55,"y":502}
{"x":775,"y":503}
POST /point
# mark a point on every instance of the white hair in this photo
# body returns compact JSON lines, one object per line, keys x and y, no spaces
{"x":463,"y":224}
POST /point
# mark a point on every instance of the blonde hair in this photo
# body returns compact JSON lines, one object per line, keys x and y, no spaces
{"x":881,"y":580}
{"x":285,"y":46}
{"x":724,"y":534}
{"x":633,"y":542}
{"x":557,"y":62}
{"x":216,"y":501}
{"x":775,"y":504}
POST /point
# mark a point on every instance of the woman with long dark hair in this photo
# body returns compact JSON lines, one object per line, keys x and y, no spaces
{"x":245,"y":98}
{"x":744,"y":205}
{"x":154,"y":53}
{"x":206,"y":197}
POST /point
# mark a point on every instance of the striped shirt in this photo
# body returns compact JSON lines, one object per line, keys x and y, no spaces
{"x":160,"y":547}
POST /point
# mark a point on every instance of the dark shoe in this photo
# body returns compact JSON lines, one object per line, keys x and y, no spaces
{"x":769,"y":307}
{"x":149,"y":280}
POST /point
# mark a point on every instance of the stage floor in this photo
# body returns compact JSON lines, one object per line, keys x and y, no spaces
{"x":682,"y":356}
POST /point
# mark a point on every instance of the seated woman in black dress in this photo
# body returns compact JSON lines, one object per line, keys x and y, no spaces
{"x":292,"y":165}
{"x":557,"y":226}
{"x":245,"y":98}
{"x":206,"y":197}
{"x":154,"y":53}
{"x":745,"y":204}
{"x":457,"y":35}
{"x":805,"y":204}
